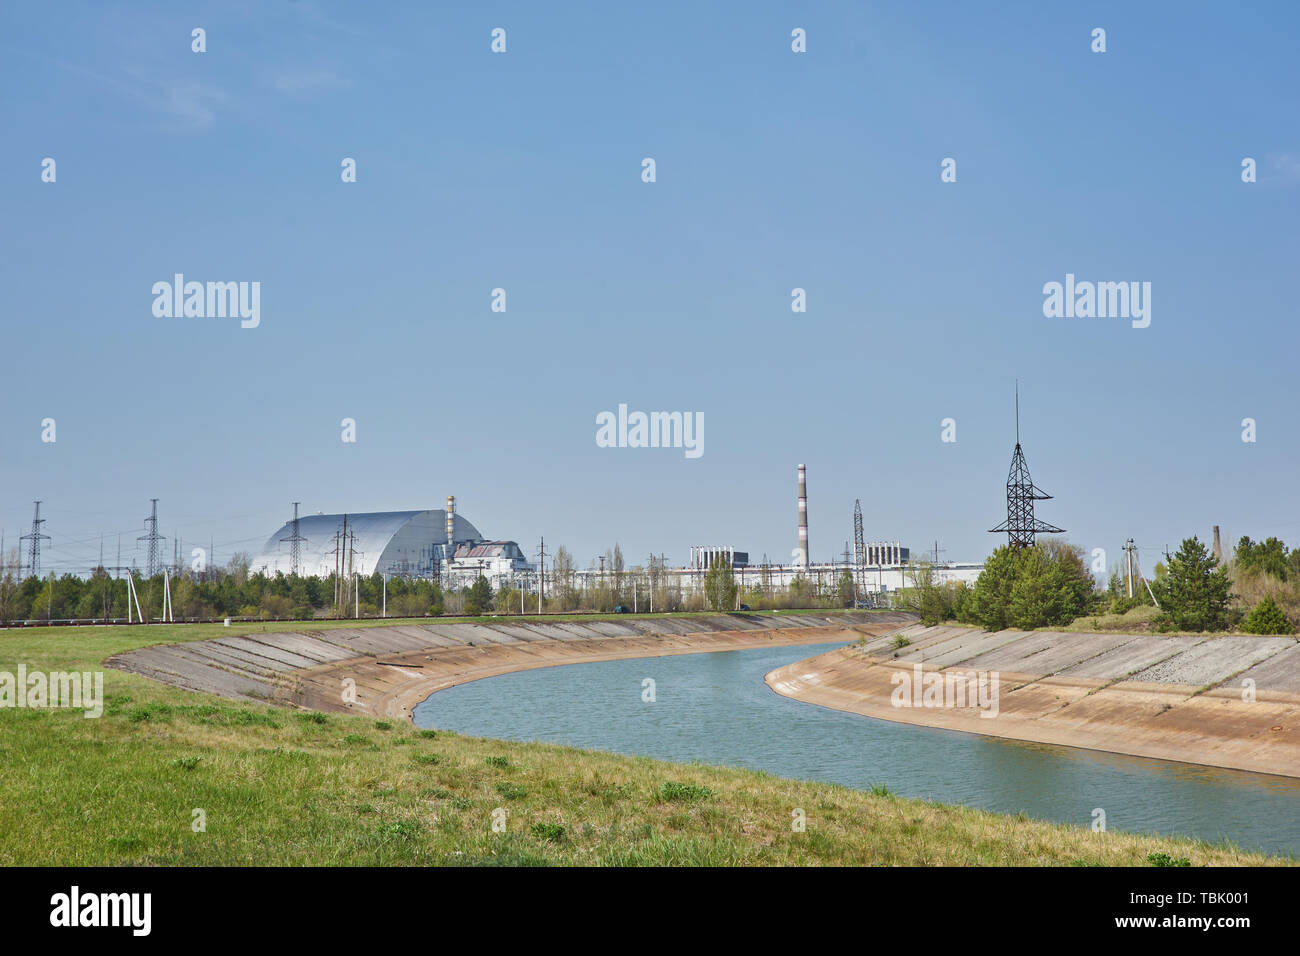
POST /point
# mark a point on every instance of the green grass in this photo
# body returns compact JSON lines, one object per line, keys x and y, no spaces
{"x":288,"y":788}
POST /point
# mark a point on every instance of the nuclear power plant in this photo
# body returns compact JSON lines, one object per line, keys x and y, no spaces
{"x":443,"y":545}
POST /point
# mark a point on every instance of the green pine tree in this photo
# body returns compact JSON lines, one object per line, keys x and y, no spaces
{"x":1194,"y":592}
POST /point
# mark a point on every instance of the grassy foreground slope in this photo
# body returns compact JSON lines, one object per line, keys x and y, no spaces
{"x":283,"y":787}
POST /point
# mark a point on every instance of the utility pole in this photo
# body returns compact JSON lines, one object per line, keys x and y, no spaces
{"x":1128,"y":566}
{"x":352,"y":551}
{"x":34,"y":549}
{"x":336,"y":553}
{"x":541,"y":573}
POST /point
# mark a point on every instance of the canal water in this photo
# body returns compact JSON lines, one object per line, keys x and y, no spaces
{"x":715,"y":708}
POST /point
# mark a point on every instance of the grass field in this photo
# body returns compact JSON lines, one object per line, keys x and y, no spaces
{"x":283,"y":787}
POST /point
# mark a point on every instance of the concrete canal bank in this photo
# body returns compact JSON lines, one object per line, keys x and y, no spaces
{"x":386,"y":670}
{"x":1219,"y":701}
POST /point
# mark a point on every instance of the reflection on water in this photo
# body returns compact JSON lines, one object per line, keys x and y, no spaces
{"x":715,"y":708}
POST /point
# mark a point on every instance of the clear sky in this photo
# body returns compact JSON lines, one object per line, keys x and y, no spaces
{"x":775,"y":170}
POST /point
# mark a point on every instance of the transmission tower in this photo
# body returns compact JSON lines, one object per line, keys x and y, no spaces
{"x":152,"y":536}
{"x":295,"y":542}
{"x":859,"y":548}
{"x":34,"y":549}
{"x":1021,"y":526}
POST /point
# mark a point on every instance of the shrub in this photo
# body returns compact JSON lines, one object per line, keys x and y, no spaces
{"x":1267,"y":618}
{"x":1026,"y":588}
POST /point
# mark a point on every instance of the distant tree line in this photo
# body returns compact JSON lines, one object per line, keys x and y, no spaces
{"x":234,"y":591}
{"x":227,"y":592}
{"x":1049,"y":585}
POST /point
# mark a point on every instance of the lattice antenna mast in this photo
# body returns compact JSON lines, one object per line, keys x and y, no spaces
{"x":34,"y":548}
{"x":1021,"y":527}
{"x":153,"y":538}
{"x":295,"y":542}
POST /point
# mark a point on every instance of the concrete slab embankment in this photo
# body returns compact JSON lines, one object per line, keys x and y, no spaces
{"x":1176,"y":698}
{"x":392,"y":668}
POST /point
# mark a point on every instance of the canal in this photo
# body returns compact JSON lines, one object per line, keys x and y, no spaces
{"x":715,"y":708}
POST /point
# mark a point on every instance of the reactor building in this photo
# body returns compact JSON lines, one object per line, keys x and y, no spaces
{"x":436,"y":543}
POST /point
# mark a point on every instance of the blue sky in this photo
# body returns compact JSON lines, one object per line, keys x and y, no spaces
{"x":522,"y":171}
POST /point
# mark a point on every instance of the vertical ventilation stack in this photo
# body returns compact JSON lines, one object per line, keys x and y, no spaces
{"x":451,"y":528}
{"x":802,"y":559}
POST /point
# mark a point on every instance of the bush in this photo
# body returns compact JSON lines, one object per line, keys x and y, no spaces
{"x":1267,"y":618}
{"x":1026,"y":588}
{"x":408,"y":605}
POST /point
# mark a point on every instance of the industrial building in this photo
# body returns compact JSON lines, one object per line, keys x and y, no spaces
{"x":703,"y":556}
{"x":436,"y":543}
{"x":497,"y":561}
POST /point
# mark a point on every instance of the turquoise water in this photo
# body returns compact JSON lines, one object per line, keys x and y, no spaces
{"x":715,"y":708}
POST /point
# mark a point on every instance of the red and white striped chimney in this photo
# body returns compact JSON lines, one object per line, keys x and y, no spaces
{"x":802,"y":558}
